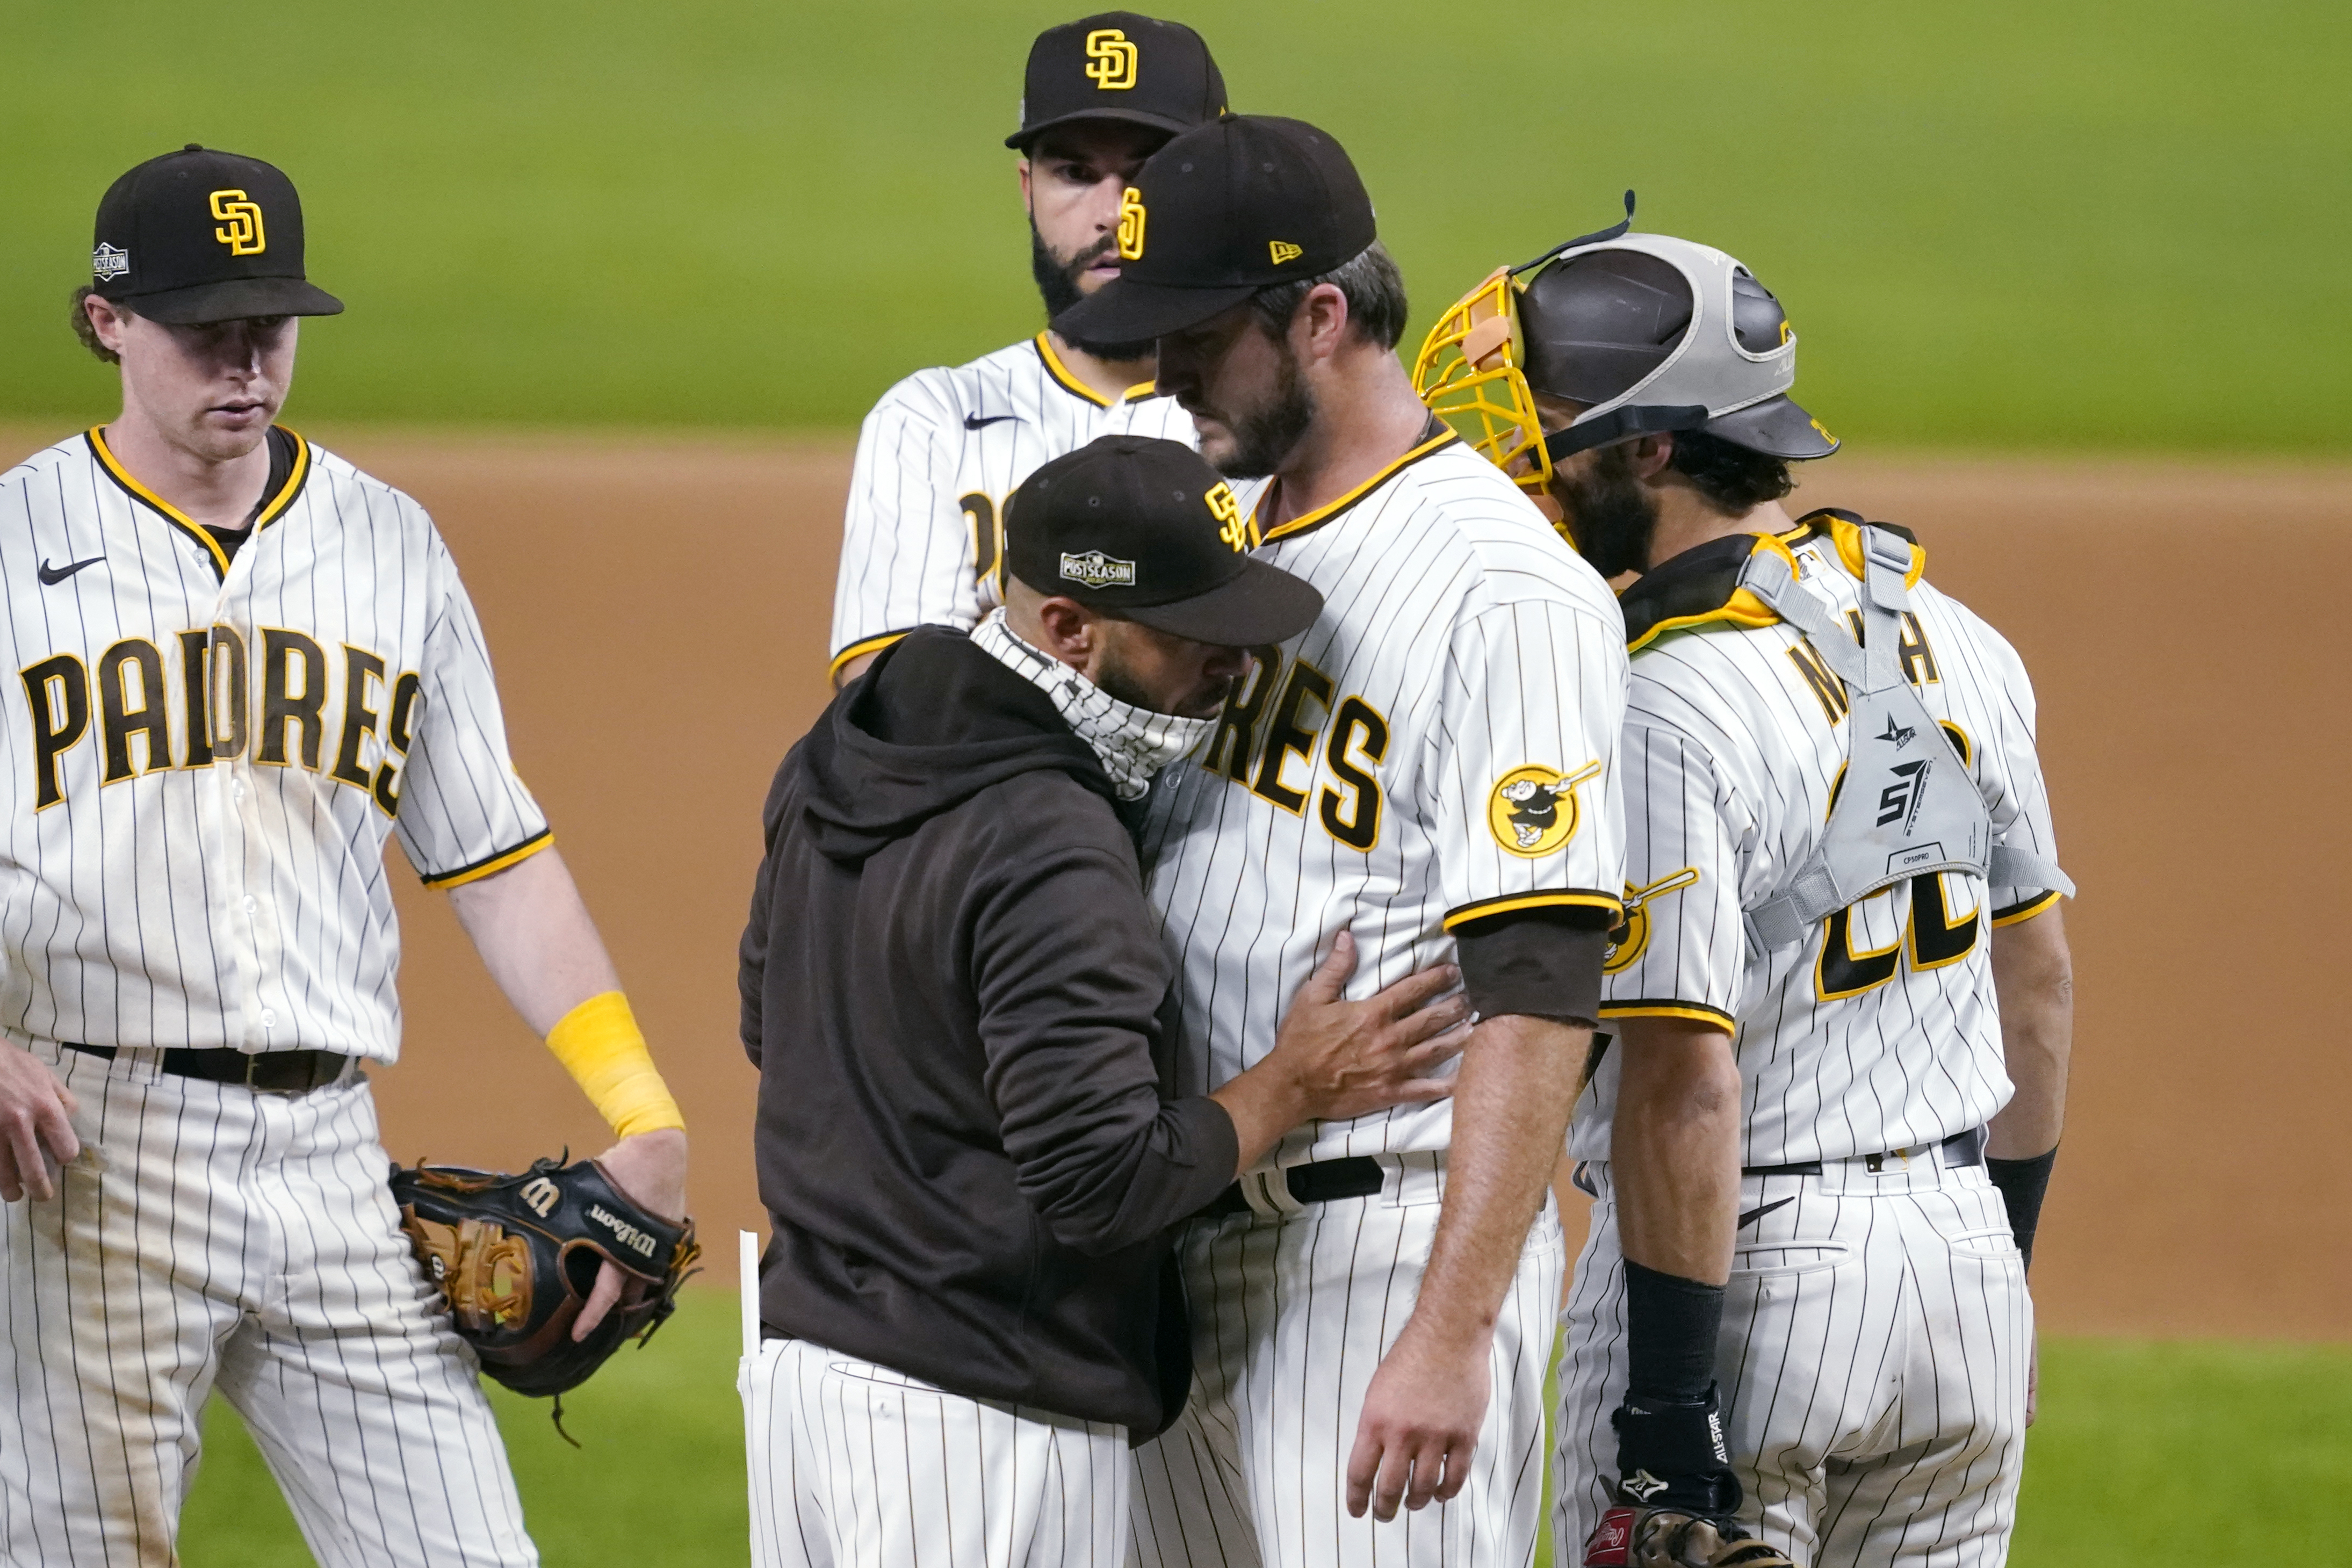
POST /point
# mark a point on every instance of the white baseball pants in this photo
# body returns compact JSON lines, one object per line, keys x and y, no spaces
{"x":1876,"y":1341}
{"x":1292,"y":1310}
{"x":856,"y":1466}
{"x":212,"y":1236}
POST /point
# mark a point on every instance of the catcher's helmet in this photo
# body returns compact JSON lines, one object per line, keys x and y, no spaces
{"x":1653,"y":333}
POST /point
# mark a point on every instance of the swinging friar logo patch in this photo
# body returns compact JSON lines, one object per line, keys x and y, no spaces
{"x":1532,"y":811}
{"x":1631,"y":936}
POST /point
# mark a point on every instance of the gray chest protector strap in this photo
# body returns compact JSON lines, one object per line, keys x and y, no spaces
{"x":1908,"y":805}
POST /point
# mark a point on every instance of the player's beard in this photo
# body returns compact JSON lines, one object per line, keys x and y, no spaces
{"x":1610,"y":516}
{"x":1264,"y":437}
{"x":1115,"y":678}
{"x":1057,"y":282}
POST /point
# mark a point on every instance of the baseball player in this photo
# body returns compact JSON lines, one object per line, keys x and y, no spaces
{"x":944,"y":448}
{"x":1429,"y":765}
{"x":1800,"y":1328}
{"x":973,"y":1165}
{"x":242,"y":664}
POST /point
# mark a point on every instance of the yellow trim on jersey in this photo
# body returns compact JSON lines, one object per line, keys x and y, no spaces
{"x":1742,"y":609}
{"x":180,"y":520}
{"x":1847,"y":538}
{"x":2029,"y":909}
{"x":1324,"y":513}
{"x":1512,"y":902}
{"x":1140,"y":390}
{"x":1696,"y":1012}
{"x":1061,"y":372}
{"x":294,"y":477}
{"x":863,"y":646}
{"x":543,"y":838}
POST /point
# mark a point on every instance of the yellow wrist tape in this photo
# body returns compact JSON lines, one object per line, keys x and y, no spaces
{"x":601,"y":1046}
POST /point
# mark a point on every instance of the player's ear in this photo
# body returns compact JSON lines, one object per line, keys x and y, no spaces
{"x":109,"y":324}
{"x":1028,"y":203}
{"x":1648,"y":455}
{"x":1068,"y":630}
{"x":1323,"y":319}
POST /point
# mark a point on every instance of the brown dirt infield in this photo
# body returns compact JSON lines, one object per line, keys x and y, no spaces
{"x":659,"y":608}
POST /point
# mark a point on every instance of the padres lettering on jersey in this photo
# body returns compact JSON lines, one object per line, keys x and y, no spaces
{"x":204,"y":756}
{"x":1880,"y":1030}
{"x":935,"y":460}
{"x":1436,"y":748}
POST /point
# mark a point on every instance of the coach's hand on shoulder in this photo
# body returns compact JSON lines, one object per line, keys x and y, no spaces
{"x":35,"y":1125}
{"x":651,"y":1169}
{"x":1354,"y":1058}
{"x":1420,"y":1424}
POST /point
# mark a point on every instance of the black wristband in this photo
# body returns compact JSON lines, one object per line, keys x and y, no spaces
{"x":2023,"y":1184}
{"x":1671,"y":1454}
{"x":1545,"y":963}
{"x":1671,"y":1324}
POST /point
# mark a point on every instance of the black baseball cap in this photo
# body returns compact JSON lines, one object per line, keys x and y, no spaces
{"x":1119,"y":66}
{"x":199,"y":235}
{"x":1217,"y":215}
{"x":1145,"y":531}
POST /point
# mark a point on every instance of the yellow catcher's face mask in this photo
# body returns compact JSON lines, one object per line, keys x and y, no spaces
{"x":1469,"y":375}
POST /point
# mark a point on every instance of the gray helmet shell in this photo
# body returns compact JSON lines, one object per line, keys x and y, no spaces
{"x":1657,"y":333}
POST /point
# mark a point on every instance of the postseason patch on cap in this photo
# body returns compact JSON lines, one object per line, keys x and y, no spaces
{"x":1096,"y":570}
{"x":107,"y":263}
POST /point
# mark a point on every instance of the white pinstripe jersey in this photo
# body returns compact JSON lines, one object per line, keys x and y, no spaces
{"x":202,"y":756}
{"x":935,"y":460}
{"x":1881,"y":1031}
{"x":1437,"y":747}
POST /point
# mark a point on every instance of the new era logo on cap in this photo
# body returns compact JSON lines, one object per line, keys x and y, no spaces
{"x":107,"y":262}
{"x":1096,"y":570}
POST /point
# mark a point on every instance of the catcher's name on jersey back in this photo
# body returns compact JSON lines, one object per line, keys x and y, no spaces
{"x":206,"y":753}
{"x":937,"y":459}
{"x":1879,"y":1029}
{"x":1437,"y":747}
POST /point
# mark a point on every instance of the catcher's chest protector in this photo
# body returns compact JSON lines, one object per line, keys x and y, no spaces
{"x":1906,"y":804}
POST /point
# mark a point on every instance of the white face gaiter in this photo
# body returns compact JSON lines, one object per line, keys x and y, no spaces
{"x":1134,"y":743}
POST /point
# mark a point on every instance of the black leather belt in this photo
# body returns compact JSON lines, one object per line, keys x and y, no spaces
{"x":1319,"y":1183}
{"x":272,"y":1071}
{"x":1961,"y":1149}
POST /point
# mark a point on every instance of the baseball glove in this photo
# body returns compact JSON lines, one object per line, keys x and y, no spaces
{"x":517,"y":1256}
{"x":1632,"y":1536}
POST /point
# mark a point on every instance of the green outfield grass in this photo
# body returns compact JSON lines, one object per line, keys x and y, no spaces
{"x":2232,"y":1456}
{"x":2023,"y":224}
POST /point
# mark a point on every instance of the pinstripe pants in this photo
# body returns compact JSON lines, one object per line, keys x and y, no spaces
{"x":211,"y":1236}
{"x":856,"y":1466}
{"x":1873,"y":1361}
{"x":1291,"y":1315}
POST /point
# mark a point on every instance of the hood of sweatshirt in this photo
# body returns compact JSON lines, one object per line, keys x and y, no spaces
{"x":932,"y":722}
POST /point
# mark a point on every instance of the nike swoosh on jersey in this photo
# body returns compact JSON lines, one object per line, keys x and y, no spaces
{"x":1751,"y":1216}
{"x":55,"y":574}
{"x":976,"y":421}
